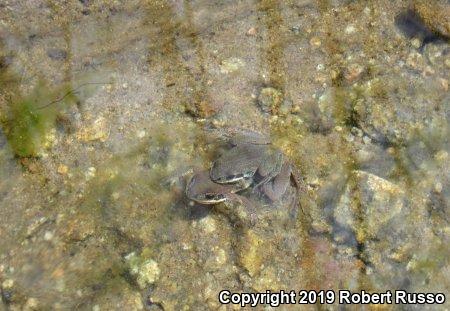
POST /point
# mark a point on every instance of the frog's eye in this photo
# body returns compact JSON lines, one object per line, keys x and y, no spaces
{"x":219,"y":196}
{"x":209,"y":196}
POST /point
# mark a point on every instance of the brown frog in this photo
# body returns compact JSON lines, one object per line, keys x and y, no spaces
{"x":254,"y":160}
{"x":251,"y":161}
{"x":201,"y":189}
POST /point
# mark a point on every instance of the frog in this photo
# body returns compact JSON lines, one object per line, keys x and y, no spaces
{"x":254,"y":160}
{"x":247,"y":162}
{"x":201,"y":189}
{"x":251,"y":157}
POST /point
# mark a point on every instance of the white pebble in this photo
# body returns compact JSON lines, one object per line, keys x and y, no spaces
{"x":48,"y":235}
{"x":438,"y":187}
{"x":350,"y":29}
{"x":141,"y":134}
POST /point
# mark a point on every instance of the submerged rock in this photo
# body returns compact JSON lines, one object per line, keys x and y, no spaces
{"x":390,"y":110}
{"x":250,"y":252}
{"x":146,"y":271}
{"x":368,"y":203}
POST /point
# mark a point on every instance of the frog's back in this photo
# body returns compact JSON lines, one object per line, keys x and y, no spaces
{"x":240,"y":162}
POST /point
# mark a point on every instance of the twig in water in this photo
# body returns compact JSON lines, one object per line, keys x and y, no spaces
{"x":73,"y":91}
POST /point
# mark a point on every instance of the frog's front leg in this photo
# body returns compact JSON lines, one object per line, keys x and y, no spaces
{"x":277,"y":187}
{"x":269,"y":168}
{"x":242,"y":209}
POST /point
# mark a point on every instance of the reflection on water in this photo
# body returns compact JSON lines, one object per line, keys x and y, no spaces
{"x":107,"y":109}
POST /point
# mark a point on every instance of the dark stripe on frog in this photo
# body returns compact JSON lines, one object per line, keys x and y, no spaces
{"x":236,"y":177}
{"x":214,"y":196}
{"x":210,"y":198}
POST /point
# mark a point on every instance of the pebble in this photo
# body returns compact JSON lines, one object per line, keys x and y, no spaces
{"x":416,"y":43}
{"x":251,"y":31}
{"x":444,"y":84}
{"x":350,"y":29}
{"x":391,"y":150}
{"x":62,"y":169}
{"x":441,"y":155}
{"x":141,"y":134}
{"x":447,"y":62}
{"x":31,"y":304}
{"x":438,"y":187}
{"x":115,"y":195}
{"x":315,"y":41}
{"x":48,"y":235}
{"x":8,"y":283}
{"x":296,"y":30}
{"x":90,"y":173}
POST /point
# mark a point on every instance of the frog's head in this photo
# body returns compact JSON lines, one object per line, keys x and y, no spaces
{"x":201,"y":189}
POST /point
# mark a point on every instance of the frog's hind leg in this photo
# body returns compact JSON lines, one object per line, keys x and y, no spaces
{"x":276,"y":188}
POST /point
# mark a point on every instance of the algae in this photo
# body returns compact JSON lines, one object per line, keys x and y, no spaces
{"x":29,"y":120}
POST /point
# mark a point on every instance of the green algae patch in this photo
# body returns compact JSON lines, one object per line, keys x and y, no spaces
{"x":29,"y":120}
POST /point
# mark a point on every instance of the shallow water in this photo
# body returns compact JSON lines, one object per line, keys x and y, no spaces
{"x":107,"y":109}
